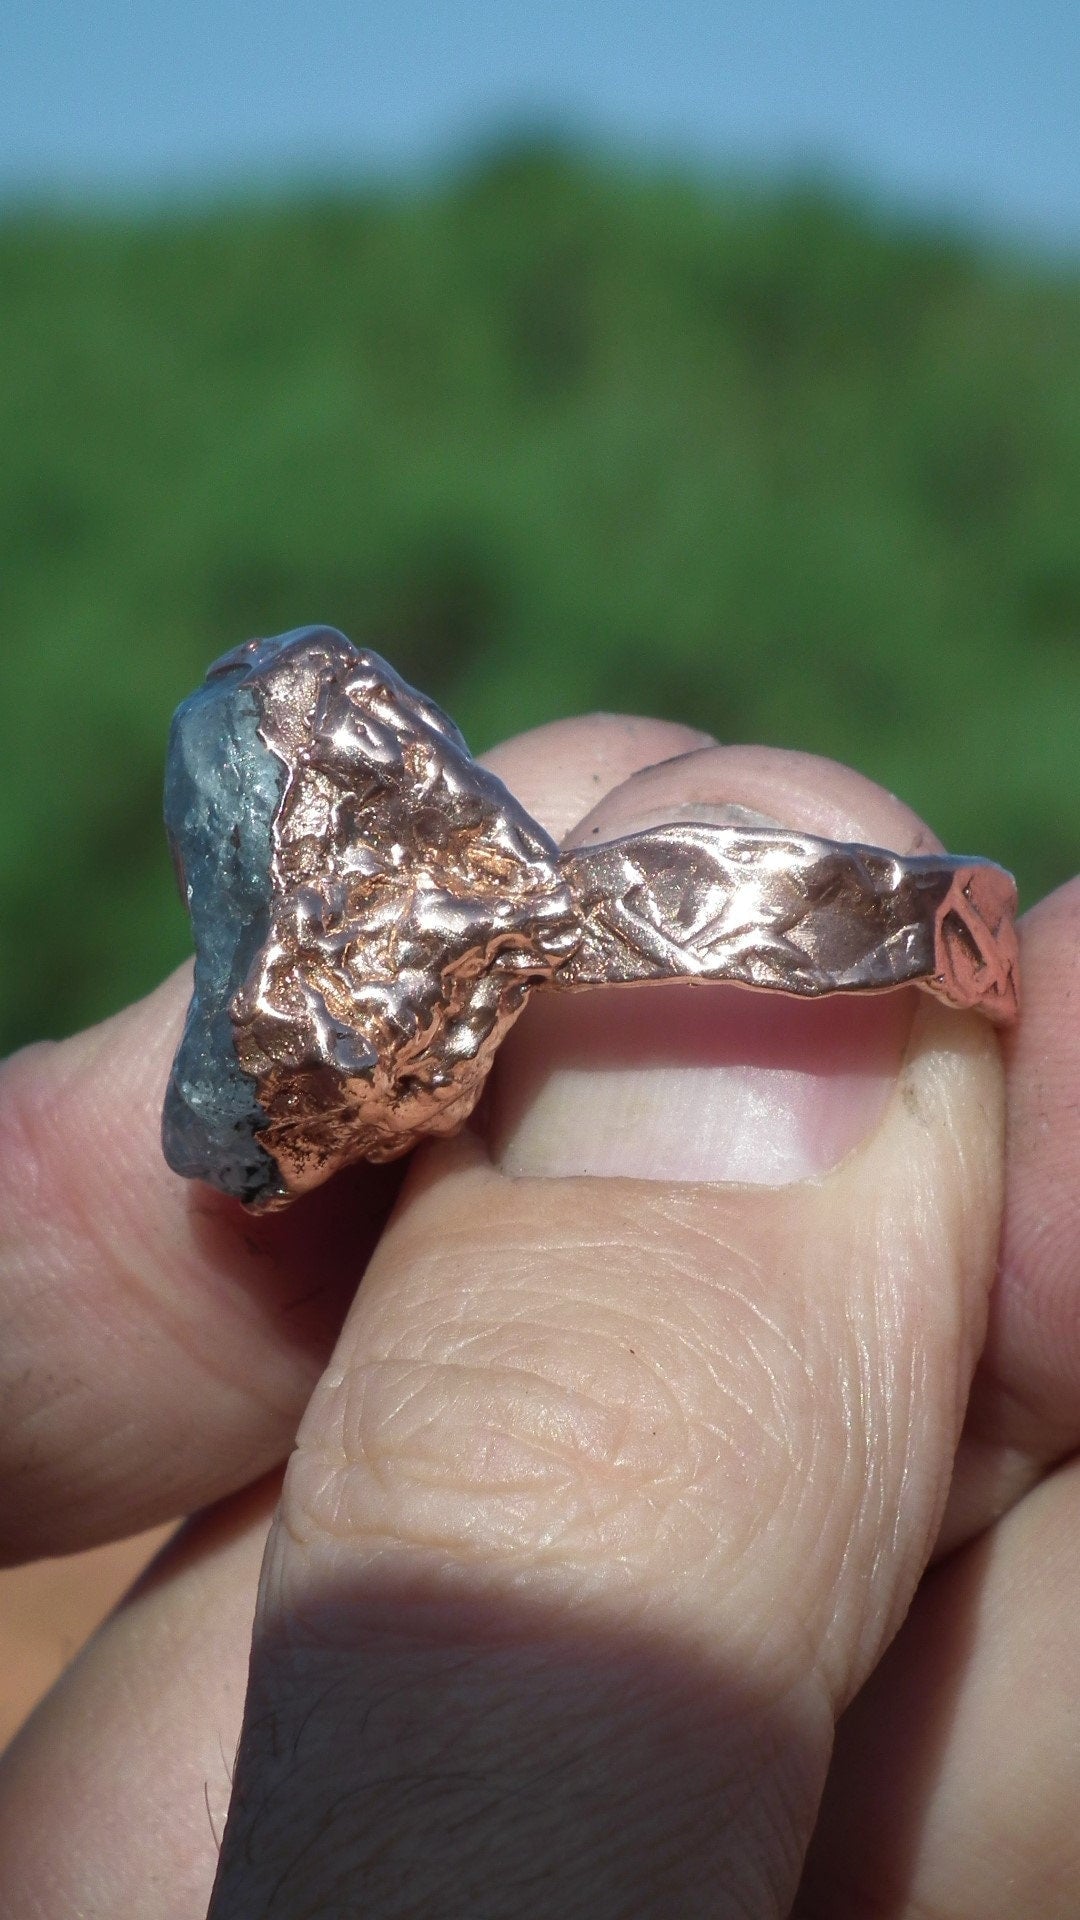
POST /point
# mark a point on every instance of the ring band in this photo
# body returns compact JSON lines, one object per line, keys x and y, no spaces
{"x":371,"y":910}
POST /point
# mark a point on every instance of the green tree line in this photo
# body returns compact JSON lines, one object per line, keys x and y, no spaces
{"x":552,"y":435}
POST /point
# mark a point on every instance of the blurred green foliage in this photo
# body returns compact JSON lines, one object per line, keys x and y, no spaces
{"x":552,"y":437}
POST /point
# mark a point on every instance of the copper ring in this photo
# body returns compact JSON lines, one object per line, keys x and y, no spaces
{"x":413,"y":905}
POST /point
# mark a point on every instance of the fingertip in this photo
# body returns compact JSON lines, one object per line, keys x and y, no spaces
{"x":800,"y":790}
{"x":1034,"y":1341}
{"x":159,"y":1340}
{"x":561,"y":770}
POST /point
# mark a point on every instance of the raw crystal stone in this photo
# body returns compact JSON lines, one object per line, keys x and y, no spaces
{"x":222,"y":787}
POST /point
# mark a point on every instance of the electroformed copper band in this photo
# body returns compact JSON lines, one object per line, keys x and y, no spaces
{"x":791,"y":913}
{"x":411,"y":905}
{"x":416,"y":905}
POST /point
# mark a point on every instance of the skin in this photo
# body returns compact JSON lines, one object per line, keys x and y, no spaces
{"x":614,"y":1491}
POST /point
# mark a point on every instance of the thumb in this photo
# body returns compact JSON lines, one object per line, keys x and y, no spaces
{"x":635,"y":1442}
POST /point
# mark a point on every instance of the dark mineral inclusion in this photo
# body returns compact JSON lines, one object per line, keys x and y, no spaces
{"x":222,"y":787}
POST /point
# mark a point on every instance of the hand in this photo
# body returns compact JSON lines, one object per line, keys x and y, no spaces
{"x":621,"y":1476}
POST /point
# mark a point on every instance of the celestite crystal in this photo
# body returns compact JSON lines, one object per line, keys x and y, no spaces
{"x":222,"y":787}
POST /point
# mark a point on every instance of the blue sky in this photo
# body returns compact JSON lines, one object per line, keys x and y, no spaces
{"x":970,"y":107}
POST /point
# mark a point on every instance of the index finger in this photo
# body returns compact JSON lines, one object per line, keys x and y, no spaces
{"x":159,"y":1343}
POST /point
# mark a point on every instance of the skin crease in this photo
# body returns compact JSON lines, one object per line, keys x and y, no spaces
{"x":987,"y":1665}
{"x":847,"y":1640}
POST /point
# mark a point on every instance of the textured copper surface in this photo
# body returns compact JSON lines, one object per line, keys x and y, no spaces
{"x":416,"y":904}
{"x":792,"y":913}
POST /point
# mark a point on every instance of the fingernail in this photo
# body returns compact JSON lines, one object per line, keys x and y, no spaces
{"x":690,"y":1083}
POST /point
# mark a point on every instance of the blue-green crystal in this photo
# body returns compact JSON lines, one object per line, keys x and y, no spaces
{"x":222,"y":787}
